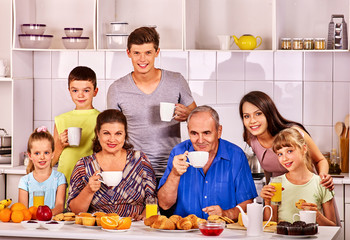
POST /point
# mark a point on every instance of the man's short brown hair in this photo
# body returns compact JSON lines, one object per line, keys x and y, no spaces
{"x":144,"y":35}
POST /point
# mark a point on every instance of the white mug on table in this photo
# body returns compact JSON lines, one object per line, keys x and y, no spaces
{"x":306,"y":216}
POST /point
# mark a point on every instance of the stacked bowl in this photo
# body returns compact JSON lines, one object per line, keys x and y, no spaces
{"x":118,"y":37}
{"x":73,"y":39}
{"x":33,"y":36}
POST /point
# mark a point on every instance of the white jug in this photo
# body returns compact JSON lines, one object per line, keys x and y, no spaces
{"x":253,"y":220}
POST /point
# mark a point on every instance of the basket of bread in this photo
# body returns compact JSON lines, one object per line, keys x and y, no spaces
{"x":174,"y":222}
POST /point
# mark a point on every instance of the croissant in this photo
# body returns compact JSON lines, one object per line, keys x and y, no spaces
{"x":163,"y":223}
{"x":175,"y":218}
{"x":184,"y":224}
{"x":149,"y":221}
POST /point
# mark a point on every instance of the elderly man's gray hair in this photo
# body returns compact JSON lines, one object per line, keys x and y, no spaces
{"x":206,"y":108}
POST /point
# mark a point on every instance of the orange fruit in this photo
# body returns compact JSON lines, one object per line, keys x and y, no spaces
{"x":17,"y":216}
{"x":108,"y":222}
{"x":5,"y":215}
{"x":124,"y":223}
{"x":27,"y":214}
{"x":33,"y":210}
{"x":18,"y":206}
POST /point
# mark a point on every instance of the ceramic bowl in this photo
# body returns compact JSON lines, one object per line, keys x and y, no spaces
{"x":53,"y":225}
{"x":30,"y":225}
{"x":118,"y":27}
{"x":37,"y":29}
{"x":35,"y":41}
{"x":75,"y":42}
{"x":73,"y":32}
{"x":211,"y":228}
{"x":116,"y":41}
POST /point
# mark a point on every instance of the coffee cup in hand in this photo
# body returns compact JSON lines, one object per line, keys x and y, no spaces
{"x":74,"y":136}
{"x":111,"y":178}
{"x":167,"y":111}
{"x":198,"y":159}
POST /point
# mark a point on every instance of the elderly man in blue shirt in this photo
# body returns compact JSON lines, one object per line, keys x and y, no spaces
{"x":217,"y":188}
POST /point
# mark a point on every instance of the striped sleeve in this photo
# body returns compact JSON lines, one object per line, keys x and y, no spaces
{"x":149,"y":178}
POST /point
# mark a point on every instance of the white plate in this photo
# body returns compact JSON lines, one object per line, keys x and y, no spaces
{"x":93,"y":227}
{"x":298,"y":236}
{"x":68,"y":222}
{"x":115,"y":230}
{"x":177,"y":231}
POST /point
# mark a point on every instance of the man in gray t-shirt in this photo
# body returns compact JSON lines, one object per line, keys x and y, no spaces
{"x":139,"y":93}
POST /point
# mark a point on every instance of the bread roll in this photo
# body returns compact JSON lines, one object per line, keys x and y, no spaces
{"x":175,"y":218}
{"x":184,"y":224}
{"x":163,"y":223}
{"x":149,"y":221}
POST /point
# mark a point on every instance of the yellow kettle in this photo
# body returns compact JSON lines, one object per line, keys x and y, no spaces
{"x":247,"y":42}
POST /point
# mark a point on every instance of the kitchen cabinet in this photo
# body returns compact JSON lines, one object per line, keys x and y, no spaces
{"x":183,"y":24}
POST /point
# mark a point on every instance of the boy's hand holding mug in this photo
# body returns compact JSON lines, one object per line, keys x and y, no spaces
{"x":64,"y":138}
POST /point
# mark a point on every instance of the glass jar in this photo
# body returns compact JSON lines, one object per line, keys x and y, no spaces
{"x":308,"y":43}
{"x":298,"y":44}
{"x":320,"y":43}
{"x":286,"y":43}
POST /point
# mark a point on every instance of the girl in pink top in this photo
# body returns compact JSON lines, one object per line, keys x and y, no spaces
{"x":262,"y":122}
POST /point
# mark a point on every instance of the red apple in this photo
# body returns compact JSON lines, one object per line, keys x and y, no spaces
{"x":44,"y":213}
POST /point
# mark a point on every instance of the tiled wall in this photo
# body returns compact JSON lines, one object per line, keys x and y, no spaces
{"x":308,"y":87}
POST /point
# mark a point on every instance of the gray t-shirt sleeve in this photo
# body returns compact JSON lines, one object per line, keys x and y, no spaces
{"x":185,"y":92}
{"x":112,"y":98}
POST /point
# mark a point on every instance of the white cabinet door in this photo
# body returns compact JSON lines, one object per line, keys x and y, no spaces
{"x":339,"y":199}
{"x":347,"y":220}
{"x":12,"y":186}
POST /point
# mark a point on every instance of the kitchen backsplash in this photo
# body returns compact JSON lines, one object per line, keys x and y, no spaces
{"x":308,"y":87}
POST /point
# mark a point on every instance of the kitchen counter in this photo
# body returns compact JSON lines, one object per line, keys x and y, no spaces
{"x":137,"y":231}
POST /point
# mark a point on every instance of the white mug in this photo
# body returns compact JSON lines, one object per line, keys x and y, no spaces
{"x":3,"y":68}
{"x":198,"y":159}
{"x":166,"y":111}
{"x":74,"y":136}
{"x":111,"y":178}
{"x":306,"y":216}
{"x":225,"y":42}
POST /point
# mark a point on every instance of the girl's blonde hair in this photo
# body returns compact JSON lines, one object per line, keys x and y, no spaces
{"x":291,"y":137}
{"x":40,"y":133}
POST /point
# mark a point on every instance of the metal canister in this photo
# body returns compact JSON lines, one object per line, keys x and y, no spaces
{"x":286,"y":43}
{"x":298,"y":44}
{"x":308,"y":43}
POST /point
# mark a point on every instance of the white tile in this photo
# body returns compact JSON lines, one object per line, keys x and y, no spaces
{"x":263,"y":86}
{"x":95,"y":61}
{"x":318,"y":103}
{"x":230,"y":66}
{"x":118,"y":64}
{"x":184,"y":131}
{"x":341,"y":66}
{"x":229,"y":91}
{"x":341,"y":101}
{"x":42,"y":99}
{"x":100,"y":101}
{"x":42,"y":65}
{"x":175,"y":61}
{"x":288,"y":66}
{"x":203,"y":92}
{"x":202,"y":65}
{"x":232,"y":126}
{"x":61,"y":100}
{"x":22,"y":64}
{"x":47,"y":124}
{"x":318,"y":66}
{"x":288,"y":98}
{"x":259,"y":66}
{"x":63,"y":63}
{"x":322,"y":136}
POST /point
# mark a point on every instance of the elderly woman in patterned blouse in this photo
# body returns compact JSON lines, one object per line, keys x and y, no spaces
{"x":112,"y":152}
